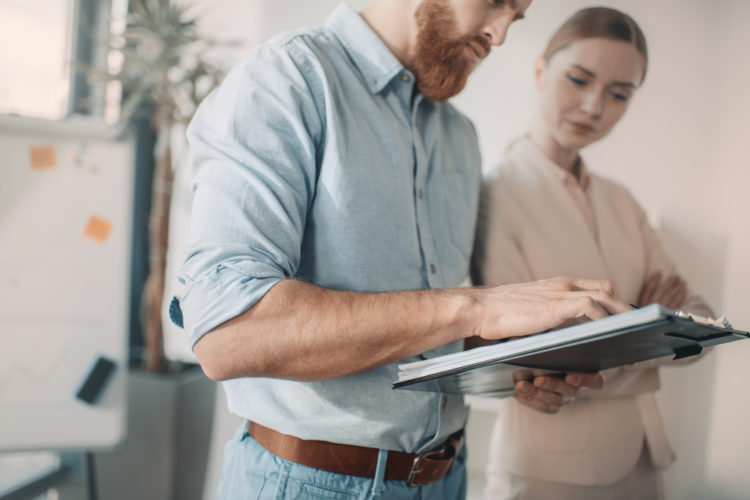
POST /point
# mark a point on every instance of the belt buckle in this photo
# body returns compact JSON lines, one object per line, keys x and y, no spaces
{"x":418,"y":463}
{"x":451,"y":448}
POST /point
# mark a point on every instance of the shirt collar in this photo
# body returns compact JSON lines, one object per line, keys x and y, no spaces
{"x":374,"y":60}
{"x":530,"y":150}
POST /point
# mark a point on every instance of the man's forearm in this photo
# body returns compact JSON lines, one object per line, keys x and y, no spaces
{"x":305,"y":332}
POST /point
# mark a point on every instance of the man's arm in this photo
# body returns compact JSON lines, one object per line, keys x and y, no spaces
{"x":305,"y":332}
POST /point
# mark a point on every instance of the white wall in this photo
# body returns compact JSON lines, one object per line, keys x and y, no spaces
{"x":682,"y":149}
{"x":727,"y":450}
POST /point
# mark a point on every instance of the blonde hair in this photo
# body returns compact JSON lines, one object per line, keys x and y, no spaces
{"x":598,"y":22}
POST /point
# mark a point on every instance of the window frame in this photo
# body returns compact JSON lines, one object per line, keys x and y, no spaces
{"x":89,"y":16}
{"x":85,"y":23}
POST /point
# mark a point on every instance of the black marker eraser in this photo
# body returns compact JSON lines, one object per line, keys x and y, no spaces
{"x":92,"y":386}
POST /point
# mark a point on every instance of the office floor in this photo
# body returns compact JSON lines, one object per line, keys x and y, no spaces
{"x":476,"y":485}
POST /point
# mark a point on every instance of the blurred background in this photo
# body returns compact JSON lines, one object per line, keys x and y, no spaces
{"x":95,"y":199}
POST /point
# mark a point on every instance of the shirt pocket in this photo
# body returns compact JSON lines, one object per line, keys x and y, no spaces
{"x":456,"y":213}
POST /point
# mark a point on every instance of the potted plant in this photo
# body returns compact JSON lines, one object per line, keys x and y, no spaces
{"x":164,"y":73}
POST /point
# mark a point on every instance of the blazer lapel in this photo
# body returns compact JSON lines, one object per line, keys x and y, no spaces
{"x":556,"y":238}
{"x":620,"y":237}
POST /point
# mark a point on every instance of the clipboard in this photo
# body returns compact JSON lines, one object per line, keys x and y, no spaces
{"x":621,"y":339}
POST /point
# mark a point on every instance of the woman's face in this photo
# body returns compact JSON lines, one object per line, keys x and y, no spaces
{"x":586,"y":88}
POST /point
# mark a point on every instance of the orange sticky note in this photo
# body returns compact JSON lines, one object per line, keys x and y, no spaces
{"x":42,"y":156}
{"x":98,"y":229}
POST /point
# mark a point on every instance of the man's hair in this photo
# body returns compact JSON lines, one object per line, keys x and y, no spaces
{"x":598,"y":22}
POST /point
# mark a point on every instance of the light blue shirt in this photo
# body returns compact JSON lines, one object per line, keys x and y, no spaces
{"x":312,"y":161}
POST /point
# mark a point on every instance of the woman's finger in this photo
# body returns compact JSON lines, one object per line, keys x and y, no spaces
{"x":537,"y":405}
{"x":680,"y":298}
{"x":555,"y":384}
{"x":649,"y":289}
{"x":590,"y":380}
{"x":674,"y":295}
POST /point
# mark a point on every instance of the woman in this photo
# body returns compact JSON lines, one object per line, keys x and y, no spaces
{"x":543,"y":214}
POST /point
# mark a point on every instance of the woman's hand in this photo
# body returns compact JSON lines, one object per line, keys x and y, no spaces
{"x":670,"y":293}
{"x":548,"y":394}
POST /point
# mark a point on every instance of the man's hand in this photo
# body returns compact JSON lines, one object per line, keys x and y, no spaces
{"x":526,"y":308}
{"x":548,"y":393}
{"x":670,"y":293}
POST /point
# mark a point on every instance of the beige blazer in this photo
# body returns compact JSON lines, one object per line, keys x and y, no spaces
{"x":531,"y":228}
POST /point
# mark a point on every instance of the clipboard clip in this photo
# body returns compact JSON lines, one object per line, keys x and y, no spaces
{"x":687,"y":351}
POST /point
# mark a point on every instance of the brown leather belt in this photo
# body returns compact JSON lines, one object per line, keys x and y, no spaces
{"x":358,"y":460}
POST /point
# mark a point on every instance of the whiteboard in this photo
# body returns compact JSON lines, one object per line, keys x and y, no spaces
{"x":66,"y":194}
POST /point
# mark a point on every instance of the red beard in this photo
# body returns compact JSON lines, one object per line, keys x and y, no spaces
{"x":441,"y":65}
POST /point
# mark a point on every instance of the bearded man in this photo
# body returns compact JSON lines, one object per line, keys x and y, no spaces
{"x":333,"y":219}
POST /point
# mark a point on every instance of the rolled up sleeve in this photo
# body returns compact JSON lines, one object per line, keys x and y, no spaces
{"x":253,"y":145}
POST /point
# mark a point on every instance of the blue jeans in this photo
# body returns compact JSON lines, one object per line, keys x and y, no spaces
{"x":249,"y":472}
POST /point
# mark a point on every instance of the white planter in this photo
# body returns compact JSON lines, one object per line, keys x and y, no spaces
{"x":165,"y":453}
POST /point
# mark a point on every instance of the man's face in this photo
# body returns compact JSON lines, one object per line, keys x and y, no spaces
{"x":453,"y":36}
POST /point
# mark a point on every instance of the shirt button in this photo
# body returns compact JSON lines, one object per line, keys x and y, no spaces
{"x":405,"y":77}
{"x":419,"y":194}
{"x":432,"y":268}
{"x":443,"y":402}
